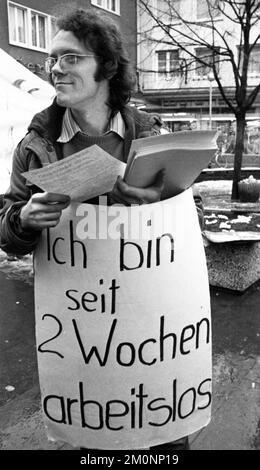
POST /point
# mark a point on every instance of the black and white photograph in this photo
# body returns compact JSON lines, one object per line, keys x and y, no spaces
{"x":129,"y":231}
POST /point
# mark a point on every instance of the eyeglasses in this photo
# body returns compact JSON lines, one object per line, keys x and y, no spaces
{"x":66,"y":61}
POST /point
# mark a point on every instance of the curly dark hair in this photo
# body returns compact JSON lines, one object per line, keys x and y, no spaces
{"x":103,"y":37}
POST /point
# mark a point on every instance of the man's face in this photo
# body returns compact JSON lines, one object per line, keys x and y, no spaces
{"x":75,"y":85}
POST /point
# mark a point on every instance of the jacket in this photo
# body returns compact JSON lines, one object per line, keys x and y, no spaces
{"x":40,"y":147}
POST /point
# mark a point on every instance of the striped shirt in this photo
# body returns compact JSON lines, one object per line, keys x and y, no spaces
{"x":70,"y":128}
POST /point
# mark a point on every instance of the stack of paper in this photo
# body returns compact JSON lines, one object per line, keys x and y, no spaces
{"x":93,"y":171}
{"x":182,"y":154}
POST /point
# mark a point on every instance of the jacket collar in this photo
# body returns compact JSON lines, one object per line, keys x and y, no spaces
{"x":48,"y":124}
{"x":70,"y":127}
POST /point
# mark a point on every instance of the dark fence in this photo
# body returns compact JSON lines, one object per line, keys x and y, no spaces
{"x":222,"y":167}
{"x":214,"y":174}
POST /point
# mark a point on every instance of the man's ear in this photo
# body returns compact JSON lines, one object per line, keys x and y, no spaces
{"x":110,"y":69}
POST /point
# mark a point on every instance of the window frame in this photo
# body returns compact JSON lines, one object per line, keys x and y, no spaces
{"x":251,"y":73}
{"x":104,"y":7}
{"x":206,"y":17}
{"x":28,"y":33}
{"x":165,"y":18}
{"x":160,"y":10}
{"x":201,"y":76}
{"x":168,"y":72}
{"x":255,"y":73}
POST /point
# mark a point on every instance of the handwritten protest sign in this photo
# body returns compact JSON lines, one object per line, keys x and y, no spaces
{"x":123,"y":325}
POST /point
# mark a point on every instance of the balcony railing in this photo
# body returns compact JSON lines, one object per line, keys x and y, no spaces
{"x":176,"y":79}
{"x":161,"y":80}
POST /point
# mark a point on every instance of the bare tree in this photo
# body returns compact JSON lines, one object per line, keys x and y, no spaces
{"x":170,"y":27}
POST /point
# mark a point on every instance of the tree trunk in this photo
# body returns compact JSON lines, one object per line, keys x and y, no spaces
{"x":239,"y":147}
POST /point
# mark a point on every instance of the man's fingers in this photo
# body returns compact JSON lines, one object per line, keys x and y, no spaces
{"x":133,"y":191}
{"x":45,"y":224}
{"x":40,"y":208}
{"x":131,"y":194}
{"x":43,"y":210}
{"x":51,"y":198}
{"x":125,"y":201}
{"x":122,"y":198}
{"x":43,"y":216}
{"x":51,"y":216}
{"x":124,"y":187}
{"x":53,"y":207}
{"x":134,"y":195}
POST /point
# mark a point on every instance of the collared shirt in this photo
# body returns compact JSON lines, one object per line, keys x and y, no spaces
{"x":71,"y":128}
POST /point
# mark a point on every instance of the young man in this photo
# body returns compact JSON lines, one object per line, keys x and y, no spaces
{"x":89,"y":69}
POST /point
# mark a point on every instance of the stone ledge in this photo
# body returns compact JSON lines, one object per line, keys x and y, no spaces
{"x":233,"y":266}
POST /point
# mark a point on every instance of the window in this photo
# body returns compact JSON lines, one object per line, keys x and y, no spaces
{"x":206,"y":55}
{"x":161,"y":55}
{"x":167,"y":10}
{"x":110,"y":5}
{"x":205,"y":8}
{"x":169,"y":62}
{"x":17,"y":24}
{"x":38,"y":23}
{"x":29,"y":28}
{"x":254,"y":61}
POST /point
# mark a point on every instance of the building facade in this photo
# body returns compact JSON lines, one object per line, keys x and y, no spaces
{"x":27,"y":26}
{"x":188,"y":94}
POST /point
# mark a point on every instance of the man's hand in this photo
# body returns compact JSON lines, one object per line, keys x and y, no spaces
{"x":43,"y":210}
{"x":123,"y":193}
